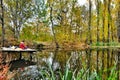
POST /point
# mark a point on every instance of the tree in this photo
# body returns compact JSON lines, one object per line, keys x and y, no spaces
{"x":103,"y":21}
{"x":84,"y":20}
{"x":18,"y":12}
{"x":40,"y":13}
{"x":89,"y":23}
{"x":2,"y":21}
{"x":118,"y":21}
{"x":98,"y":19}
{"x":109,"y":20}
{"x":75,"y":19}
{"x":52,"y":23}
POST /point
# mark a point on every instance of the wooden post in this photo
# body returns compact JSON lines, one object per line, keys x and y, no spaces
{"x":20,"y":55}
{"x":31,"y":56}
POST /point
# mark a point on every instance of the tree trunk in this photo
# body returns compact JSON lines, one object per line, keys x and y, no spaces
{"x":89,"y":23}
{"x":118,"y":22}
{"x":16,"y":21}
{"x":103,"y":23}
{"x":97,"y":20}
{"x":3,"y":29}
{"x":51,"y":19}
{"x":109,"y":1}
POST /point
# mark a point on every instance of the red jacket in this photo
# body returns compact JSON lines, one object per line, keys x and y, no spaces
{"x":22,"y":45}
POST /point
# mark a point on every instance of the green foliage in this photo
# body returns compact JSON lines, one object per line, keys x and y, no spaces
{"x":70,"y":20}
{"x":40,"y":10}
{"x":113,"y":74}
{"x":29,"y":33}
{"x":18,"y":12}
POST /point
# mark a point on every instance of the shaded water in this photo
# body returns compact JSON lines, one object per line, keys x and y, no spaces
{"x":102,"y":61}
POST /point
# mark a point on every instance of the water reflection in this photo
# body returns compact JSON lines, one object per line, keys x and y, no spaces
{"x":118,"y":64}
{"x":16,"y":64}
{"x":101,"y":62}
{"x":11,"y":65}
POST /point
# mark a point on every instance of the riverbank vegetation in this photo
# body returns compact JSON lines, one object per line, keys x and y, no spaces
{"x":60,"y":22}
{"x":82,"y":74}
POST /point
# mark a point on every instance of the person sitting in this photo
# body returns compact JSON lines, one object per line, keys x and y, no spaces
{"x":22,"y":45}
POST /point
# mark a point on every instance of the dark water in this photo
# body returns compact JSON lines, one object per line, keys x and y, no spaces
{"x":101,"y":61}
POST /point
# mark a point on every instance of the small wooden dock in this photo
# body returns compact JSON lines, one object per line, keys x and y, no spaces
{"x":18,"y":50}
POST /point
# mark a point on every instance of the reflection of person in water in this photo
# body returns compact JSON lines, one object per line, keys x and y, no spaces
{"x":22,"y":45}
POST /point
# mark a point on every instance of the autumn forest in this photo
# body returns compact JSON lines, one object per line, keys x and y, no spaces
{"x":96,"y":22}
{"x":59,"y":40}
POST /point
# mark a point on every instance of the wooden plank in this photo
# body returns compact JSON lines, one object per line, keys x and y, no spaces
{"x":17,"y":50}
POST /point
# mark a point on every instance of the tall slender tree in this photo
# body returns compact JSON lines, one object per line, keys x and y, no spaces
{"x":2,"y":20}
{"x":103,"y":21}
{"x":109,"y":19}
{"x":89,"y":23}
{"x":118,"y":21}
{"x":98,"y":20}
{"x":52,"y":24}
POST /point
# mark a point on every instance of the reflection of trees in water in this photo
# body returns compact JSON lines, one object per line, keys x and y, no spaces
{"x":91,"y":61}
{"x":100,"y":60}
{"x":118,"y":65}
{"x":9,"y":65}
{"x":52,"y":57}
{"x":4,"y":68}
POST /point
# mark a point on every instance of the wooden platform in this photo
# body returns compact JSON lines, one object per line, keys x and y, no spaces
{"x":18,"y":50}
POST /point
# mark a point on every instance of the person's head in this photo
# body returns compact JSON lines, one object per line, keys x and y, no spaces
{"x":23,"y":41}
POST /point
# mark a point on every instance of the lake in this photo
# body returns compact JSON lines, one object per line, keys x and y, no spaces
{"x":89,"y":64}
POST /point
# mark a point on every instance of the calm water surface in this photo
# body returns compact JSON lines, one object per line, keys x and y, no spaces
{"x":101,"y":61}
